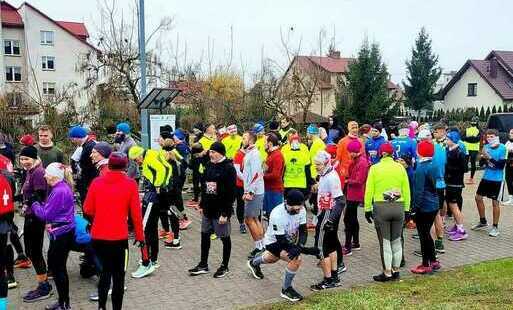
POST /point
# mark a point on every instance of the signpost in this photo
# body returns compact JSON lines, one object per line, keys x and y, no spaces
{"x":157,"y":121}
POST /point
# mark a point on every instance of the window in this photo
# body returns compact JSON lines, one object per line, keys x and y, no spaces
{"x":472,"y":90}
{"x":48,"y":88}
{"x":48,"y":63}
{"x":47,"y":37}
{"x":13,"y":74}
{"x":14,"y":99}
{"x":11,"y":47}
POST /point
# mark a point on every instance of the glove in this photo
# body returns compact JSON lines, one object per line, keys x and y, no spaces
{"x":293,"y":252}
{"x":368,"y":216}
{"x":329,"y":226}
{"x":139,"y":244}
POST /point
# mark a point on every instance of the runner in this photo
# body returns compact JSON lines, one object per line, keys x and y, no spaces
{"x":426,"y":205}
{"x":297,"y":174}
{"x":387,"y":198}
{"x":58,"y":214}
{"x":331,"y":202}
{"x":232,"y":142}
{"x":472,"y":140}
{"x":181,"y":173}
{"x":439,"y":160}
{"x":357,"y":176}
{"x":46,"y":150}
{"x":335,"y":131}
{"x":493,"y":157}
{"x":109,"y":208}
{"x":259,"y":131}
{"x":123,"y":142}
{"x":372,"y":145}
{"x":454,"y":173}
{"x":315,"y":146}
{"x":83,"y":168}
{"x":216,"y":208}
{"x":343,"y":156}
{"x":273,"y":174}
{"x":100,"y":156}
{"x":285,"y":130}
{"x":403,"y":144}
{"x":284,"y":239}
{"x":509,"y":169}
{"x":253,"y":180}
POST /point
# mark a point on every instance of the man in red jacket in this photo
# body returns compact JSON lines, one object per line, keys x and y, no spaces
{"x":273,"y":174}
{"x":109,"y":207}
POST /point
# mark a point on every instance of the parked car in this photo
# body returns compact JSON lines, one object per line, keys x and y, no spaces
{"x":502,"y":122}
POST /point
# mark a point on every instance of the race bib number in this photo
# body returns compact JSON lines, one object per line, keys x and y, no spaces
{"x":373,"y":153}
{"x":211,"y":188}
{"x":325,"y":201}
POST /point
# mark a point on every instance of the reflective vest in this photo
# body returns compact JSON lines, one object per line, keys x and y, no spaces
{"x":295,"y":163}
{"x":156,"y":169}
{"x":206,"y":143}
{"x":472,"y":132}
{"x":232,"y":145}
{"x":284,"y":134}
{"x":260,"y":145}
{"x":317,"y":145}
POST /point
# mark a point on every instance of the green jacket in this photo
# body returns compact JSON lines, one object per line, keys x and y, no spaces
{"x":384,"y":176}
{"x":156,"y":169}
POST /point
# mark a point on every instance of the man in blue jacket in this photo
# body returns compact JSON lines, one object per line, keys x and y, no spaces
{"x":404,"y":145}
{"x":440,"y":159}
{"x":372,"y":145}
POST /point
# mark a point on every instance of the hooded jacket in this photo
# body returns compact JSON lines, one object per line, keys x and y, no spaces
{"x":425,"y":198}
{"x":372,"y":148}
{"x":218,"y":194}
{"x":357,"y":176}
{"x":58,"y":211}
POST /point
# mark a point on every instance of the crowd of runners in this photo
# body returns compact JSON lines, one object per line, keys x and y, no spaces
{"x":283,"y":187}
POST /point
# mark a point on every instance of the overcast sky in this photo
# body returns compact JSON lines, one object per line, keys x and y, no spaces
{"x":460,"y":29}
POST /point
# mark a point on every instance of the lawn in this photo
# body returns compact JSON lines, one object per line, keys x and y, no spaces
{"x":487,"y":285}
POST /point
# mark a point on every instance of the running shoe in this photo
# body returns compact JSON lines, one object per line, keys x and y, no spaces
{"x":198,"y":270}
{"x":43,"y":291}
{"x":421,"y":269}
{"x":451,"y":230}
{"x":382,"y":278}
{"x":439,"y":246}
{"x":356,"y":247}
{"x":458,"y":235}
{"x":156,"y":264}
{"x":341,"y":268}
{"x":174,"y":245}
{"x":346,"y":251}
{"x":436,"y":265}
{"x":94,"y":296}
{"x":163,"y":234}
{"x":242,"y":229}
{"x":256,"y":271}
{"x":494,"y":232}
{"x":291,"y":294}
{"x":323,"y":285}
{"x":254,"y":253}
{"x":58,"y":306}
{"x":480,"y":226}
{"x":11,"y":281}
{"x":221,"y":272}
{"x":143,"y":271}
{"x":22,"y":263}
{"x":185,"y":223}
{"x":396,"y":276}
{"x":336,"y":281}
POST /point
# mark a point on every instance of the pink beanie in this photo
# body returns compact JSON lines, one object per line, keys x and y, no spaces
{"x":354,"y":146}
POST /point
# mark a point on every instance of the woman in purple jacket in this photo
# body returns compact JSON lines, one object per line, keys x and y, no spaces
{"x":58,"y":213}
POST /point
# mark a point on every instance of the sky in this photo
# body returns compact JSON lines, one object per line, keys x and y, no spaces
{"x":460,"y":29}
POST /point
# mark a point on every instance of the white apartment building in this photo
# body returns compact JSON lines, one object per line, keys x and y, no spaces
{"x":40,"y":59}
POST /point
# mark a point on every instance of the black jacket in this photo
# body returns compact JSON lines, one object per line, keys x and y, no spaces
{"x":218,"y":190}
{"x":455,"y":167}
{"x":88,"y":170}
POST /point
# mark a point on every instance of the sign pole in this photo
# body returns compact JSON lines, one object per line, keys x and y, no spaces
{"x":142,"y":65}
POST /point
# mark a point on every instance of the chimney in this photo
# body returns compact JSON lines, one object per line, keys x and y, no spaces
{"x":493,"y":68}
{"x":334,"y":54}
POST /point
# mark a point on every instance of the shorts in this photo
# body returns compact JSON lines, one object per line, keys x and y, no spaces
{"x":212,"y":226}
{"x":490,"y":189}
{"x":275,"y":249}
{"x":253,"y":208}
{"x":271,"y":200}
{"x":453,"y":194}
{"x":441,"y":197}
{"x":326,"y":241}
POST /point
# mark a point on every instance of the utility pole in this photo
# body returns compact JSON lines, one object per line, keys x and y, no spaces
{"x":145,"y":139}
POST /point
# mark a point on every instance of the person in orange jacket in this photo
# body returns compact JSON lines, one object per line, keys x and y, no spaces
{"x":343,"y":156}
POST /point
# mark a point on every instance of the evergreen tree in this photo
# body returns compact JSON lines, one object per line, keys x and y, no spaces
{"x":482,"y":114}
{"x":423,"y":73}
{"x":367,"y":93}
{"x":499,"y":110}
{"x":494,"y":110}
{"x":488,"y":112}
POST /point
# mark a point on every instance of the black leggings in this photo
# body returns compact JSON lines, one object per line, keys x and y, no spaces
{"x":151,"y":234}
{"x":15,"y":239}
{"x":352,"y":227}
{"x":240,"y":204}
{"x":509,"y":179}
{"x":196,"y":182}
{"x":472,"y":158}
{"x":33,"y":235}
{"x":424,"y":221}
{"x":113,"y":256}
{"x":57,"y":257}
{"x":3,"y":265}
{"x":205,"y":249}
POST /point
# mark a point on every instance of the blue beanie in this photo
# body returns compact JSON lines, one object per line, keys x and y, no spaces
{"x":77,"y":132}
{"x":123,"y":127}
{"x":312,"y":130}
{"x":454,"y":136}
{"x":258,"y":128}
{"x":179,"y":134}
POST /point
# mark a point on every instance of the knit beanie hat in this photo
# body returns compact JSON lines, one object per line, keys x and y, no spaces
{"x":27,"y":140}
{"x":123,"y":127}
{"x":323,"y":157}
{"x":258,"y":128}
{"x":77,"y":132}
{"x":454,"y":136}
{"x":55,"y":170}
{"x":386,"y":148}
{"x":295,"y":198}
{"x":103,"y":148}
{"x":354,"y":146}
{"x":332,"y":150}
{"x":135,"y":151}
{"x":118,"y":161}
{"x":29,"y":151}
{"x":424,"y":134}
{"x":312,"y":129}
{"x":218,"y":147}
{"x":425,"y":149}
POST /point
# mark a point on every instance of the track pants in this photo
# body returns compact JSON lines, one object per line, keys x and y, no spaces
{"x":57,"y":257}
{"x":388,"y":221}
{"x":151,"y":233}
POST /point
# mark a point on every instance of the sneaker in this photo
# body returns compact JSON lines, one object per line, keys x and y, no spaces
{"x":256,"y":271}
{"x":480,"y":226}
{"x":143,"y":271}
{"x":439,"y":246}
{"x":221,"y":272}
{"x":336,"y":281}
{"x":346,"y":251}
{"x":436,"y":265}
{"x":242,"y":229}
{"x":421,"y":269}
{"x":43,"y":291}
{"x":184,"y":224}
{"x":382,"y":277}
{"x":494,"y":232}
{"x":174,"y":245}
{"x":396,"y":276}
{"x":198,"y":270}
{"x":291,"y":294}
{"x":323,"y":285}
{"x":156,"y":264}
{"x":22,"y":263}
{"x":458,"y":235}
{"x":11,"y":281}
{"x":94,"y":296}
{"x":451,"y":230}
{"x":163,"y":234}
{"x":356,"y":247}
{"x":254,"y":253}
{"x":341,"y":268}
{"x":169,"y":238}
{"x":57,"y":306}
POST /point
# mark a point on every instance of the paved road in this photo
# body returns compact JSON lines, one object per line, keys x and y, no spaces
{"x":172,"y":288}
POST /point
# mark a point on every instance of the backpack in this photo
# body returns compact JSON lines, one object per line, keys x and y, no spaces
{"x":6,"y":197}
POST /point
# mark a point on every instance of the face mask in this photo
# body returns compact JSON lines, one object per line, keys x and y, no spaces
{"x":493,"y":141}
{"x":295,"y":145}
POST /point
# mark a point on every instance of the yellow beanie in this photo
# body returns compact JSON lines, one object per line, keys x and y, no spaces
{"x":135,"y":151}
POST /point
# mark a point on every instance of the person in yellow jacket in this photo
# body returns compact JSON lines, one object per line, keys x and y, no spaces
{"x":206,"y":141}
{"x":156,"y":172}
{"x":387,"y":201}
{"x":259,"y":131}
{"x":232,"y":142}
{"x":472,"y":139}
{"x":315,"y":146}
{"x":297,"y":173}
